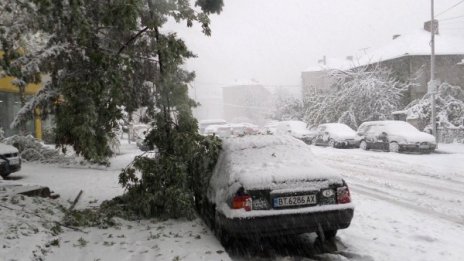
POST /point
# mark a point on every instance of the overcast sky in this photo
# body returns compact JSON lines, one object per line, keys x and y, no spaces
{"x":272,"y":41}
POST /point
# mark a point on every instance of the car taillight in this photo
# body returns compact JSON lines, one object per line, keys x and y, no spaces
{"x":242,"y":201}
{"x":343,"y":195}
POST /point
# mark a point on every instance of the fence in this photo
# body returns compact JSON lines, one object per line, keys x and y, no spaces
{"x":450,"y":135}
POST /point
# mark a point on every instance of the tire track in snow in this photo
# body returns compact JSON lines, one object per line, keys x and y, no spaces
{"x":381,"y":195}
{"x":385,"y":161}
{"x":366,"y":171}
{"x":397,"y":191}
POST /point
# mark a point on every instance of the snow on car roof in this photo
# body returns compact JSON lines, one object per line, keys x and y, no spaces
{"x":261,"y":161}
{"x":339,"y":128}
{"x":4,"y":148}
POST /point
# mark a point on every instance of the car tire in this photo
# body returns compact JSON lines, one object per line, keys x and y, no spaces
{"x":363,"y":145}
{"x":332,"y":143}
{"x":394,"y":147}
{"x":330,"y":234}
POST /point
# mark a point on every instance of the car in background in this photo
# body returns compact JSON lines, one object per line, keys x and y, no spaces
{"x":335,"y":135}
{"x":394,"y":136}
{"x":244,"y":128}
{"x":231,"y":129}
{"x":297,"y":129}
{"x":203,"y":124}
{"x":10,"y":160}
{"x":272,"y":185}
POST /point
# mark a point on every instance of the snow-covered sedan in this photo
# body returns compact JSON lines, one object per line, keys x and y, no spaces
{"x":271,"y":185}
{"x":336,"y":135}
{"x":394,"y":136}
{"x":297,"y":129}
{"x":10,"y":161}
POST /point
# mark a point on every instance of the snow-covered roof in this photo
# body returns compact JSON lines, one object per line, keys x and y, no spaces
{"x":331,"y":63}
{"x":415,"y":43}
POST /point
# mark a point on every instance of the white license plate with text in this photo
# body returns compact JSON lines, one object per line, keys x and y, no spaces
{"x":300,"y":200}
{"x":14,"y":161}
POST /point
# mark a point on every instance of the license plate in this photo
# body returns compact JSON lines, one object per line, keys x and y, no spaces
{"x":14,"y":161}
{"x":423,"y":146}
{"x":301,"y":200}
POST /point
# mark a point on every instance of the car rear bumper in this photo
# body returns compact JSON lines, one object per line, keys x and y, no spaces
{"x":415,"y":147}
{"x":347,"y":144}
{"x":7,"y":170}
{"x":287,"y":224}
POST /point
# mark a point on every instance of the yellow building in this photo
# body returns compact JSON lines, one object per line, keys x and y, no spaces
{"x":10,"y":104}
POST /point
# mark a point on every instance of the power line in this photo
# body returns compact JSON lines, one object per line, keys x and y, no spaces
{"x":458,"y":3}
{"x":451,"y":18}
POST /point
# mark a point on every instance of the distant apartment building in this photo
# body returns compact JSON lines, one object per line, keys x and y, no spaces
{"x":246,"y":103}
{"x":408,"y":56}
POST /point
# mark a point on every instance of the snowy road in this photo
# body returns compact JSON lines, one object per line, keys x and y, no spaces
{"x":408,"y":207}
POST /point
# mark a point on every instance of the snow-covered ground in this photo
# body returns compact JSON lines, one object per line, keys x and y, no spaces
{"x":408,"y":207}
{"x":26,"y":229}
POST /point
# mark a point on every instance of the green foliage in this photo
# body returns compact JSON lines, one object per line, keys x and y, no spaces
{"x":170,"y":184}
{"x":105,"y":56}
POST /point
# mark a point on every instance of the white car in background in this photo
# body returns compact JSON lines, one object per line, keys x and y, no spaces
{"x":394,"y":136}
{"x":10,"y":160}
{"x":297,"y":129}
{"x":335,"y":135}
{"x":232,"y":129}
{"x":271,"y":185}
{"x":203,"y":124}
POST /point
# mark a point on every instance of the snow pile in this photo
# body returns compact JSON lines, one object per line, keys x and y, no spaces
{"x":29,"y":226}
{"x":32,"y":149}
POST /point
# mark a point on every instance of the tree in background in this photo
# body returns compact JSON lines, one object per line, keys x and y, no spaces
{"x":449,"y":107}
{"x":361,"y":94}
{"x":286,"y":106}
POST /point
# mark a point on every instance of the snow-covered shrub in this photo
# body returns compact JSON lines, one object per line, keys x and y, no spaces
{"x":32,"y":149}
{"x":2,"y":133}
{"x":449,"y":102}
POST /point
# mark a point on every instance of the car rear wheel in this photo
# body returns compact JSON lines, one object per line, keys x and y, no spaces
{"x":394,"y":147}
{"x":363,"y":145}
{"x":328,"y":234}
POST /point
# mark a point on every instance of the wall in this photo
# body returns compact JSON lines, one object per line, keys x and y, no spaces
{"x":246,"y":103}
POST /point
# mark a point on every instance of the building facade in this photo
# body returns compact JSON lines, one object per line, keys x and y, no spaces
{"x":246,"y":103}
{"x":408,"y":56}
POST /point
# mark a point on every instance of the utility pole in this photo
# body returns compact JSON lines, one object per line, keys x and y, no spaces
{"x":432,"y":83}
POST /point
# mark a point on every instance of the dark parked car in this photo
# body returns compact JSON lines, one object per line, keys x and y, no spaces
{"x":271,"y":185}
{"x":394,"y":136}
{"x":336,"y":135}
{"x":10,"y":161}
